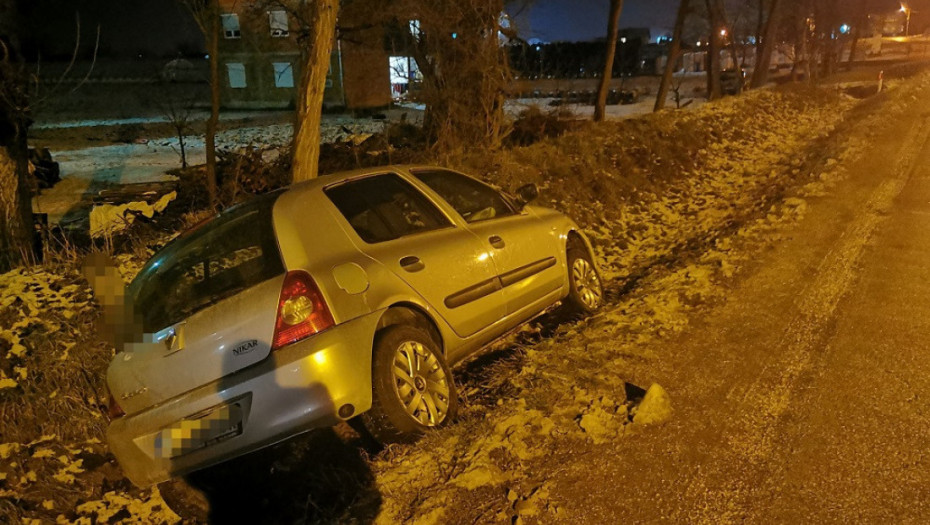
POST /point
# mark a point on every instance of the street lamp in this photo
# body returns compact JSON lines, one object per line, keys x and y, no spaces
{"x":907,"y":24}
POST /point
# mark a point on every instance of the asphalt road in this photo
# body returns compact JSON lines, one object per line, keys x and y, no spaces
{"x":806,"y":397}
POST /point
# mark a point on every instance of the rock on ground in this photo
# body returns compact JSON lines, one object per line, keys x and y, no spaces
{"x":656,"y":406}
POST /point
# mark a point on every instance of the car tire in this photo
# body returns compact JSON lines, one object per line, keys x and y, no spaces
{"x":185,"y":500}
{"x":585,"y":291}
{"x":412,"y":386}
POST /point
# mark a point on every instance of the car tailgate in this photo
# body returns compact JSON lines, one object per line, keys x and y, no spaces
{"x":219,"y":340}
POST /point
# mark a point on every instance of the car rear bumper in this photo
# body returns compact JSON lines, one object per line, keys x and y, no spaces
{"x":297,"y":388}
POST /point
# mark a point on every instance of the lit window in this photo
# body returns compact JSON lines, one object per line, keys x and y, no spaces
{"x":231,"y":26}
{"x":236,"y":72}
{"x":278,"y":22}
{"x":283,"y":75}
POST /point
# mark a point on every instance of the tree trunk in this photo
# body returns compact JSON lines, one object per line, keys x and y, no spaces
{"x":183,"y":151}
{"x":760,"y":23}
{"x":713,"y":54}
{"x":616,"y":6}
{"x":213,"y":45}
{"x":673,"y":55}
{"x":804,"y":54}
{"x":855,"y":42}
{"x":760,"y":75}
{"x":15,"y":187}
{"x":307,"y":141}
{"x":436,"y":114}
{"x":15,"y":200}
{"x":801,"y":49}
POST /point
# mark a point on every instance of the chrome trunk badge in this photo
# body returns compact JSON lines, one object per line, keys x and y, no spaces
{"x":134,"y":393}
{"x":174,"y":339}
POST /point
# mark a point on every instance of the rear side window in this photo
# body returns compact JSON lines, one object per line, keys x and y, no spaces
{"x":385,"y":207}
{"x":234,"y":251}
{"x":473,"y":200}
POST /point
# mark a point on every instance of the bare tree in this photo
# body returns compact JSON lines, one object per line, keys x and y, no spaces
{"x":316,"y":34}
{"x":861,"y":9}
{"x":676,"y":94}
{"x":814,"y":27}
{"x":207,"y":15}
{"x":306,"y":158}
{"x":456,"y":45}
{"x":827,"y":16}
{"x":674,"y":53}
{"x":715,"y":19}
{"x":20,"y":95}
{"x":16,"y":88}
{"x":613,"y":20}
{"x":858,"y":24}
{"x":740,"y":30}
{"x":766,"y":45}
{"x":178,"y":108}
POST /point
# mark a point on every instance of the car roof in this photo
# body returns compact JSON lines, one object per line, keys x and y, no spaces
{"x":335,"y":178}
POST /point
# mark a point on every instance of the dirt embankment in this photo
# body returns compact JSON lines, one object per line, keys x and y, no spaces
{"x":675,"y":203}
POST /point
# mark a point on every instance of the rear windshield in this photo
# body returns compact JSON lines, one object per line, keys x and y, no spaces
{"x":234,"y":251}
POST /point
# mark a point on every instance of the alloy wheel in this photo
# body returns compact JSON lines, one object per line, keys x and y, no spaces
{"x":587,"y":283}
{"x":421,"y":384}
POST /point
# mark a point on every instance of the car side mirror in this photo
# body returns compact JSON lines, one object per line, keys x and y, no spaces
{"x":526,"y":194}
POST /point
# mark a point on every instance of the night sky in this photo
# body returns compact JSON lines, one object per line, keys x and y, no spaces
{"x":155,"y":28}
{"x":553,"y":20}
{"x":162,"y":28}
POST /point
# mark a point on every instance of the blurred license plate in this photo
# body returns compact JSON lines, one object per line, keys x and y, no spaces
{"x":201,"y":431}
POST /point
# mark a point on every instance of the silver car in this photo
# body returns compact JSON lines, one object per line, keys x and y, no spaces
{"x":346,"y":296}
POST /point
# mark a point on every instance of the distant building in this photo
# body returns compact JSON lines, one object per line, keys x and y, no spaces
{"x":890,"y":23}
{"x":629,"y":34}
{"x":260,"y":63}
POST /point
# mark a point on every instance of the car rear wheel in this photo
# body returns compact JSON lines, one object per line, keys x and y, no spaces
{"x":585,"y":294}
{"x":412,"y":386}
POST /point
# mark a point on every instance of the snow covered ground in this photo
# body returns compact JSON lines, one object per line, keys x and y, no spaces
{"x":86,"y":170}
{"x":195,"y":116}
{"x":615,"y":112}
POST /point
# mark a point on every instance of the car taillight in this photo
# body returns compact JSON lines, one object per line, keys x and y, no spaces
{"x":302,"y":311}
{"x":114,"y":411}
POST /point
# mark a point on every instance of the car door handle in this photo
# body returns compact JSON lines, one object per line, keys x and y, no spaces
{"x":496,"y":241}
{"x":412,"y":263}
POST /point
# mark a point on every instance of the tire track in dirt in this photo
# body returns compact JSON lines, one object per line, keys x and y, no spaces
{"x":767,"y":399}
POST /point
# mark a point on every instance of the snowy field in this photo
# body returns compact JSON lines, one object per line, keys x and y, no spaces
{"x":84,"y":170}
{"x":643,"y":106}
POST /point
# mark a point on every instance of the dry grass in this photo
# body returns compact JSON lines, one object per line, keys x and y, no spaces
{"x":618,"y":162}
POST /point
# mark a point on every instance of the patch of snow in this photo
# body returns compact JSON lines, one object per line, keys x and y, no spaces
{"x":108,"y":219}
{"x":644,"y":106}
{"x":655,"y":407}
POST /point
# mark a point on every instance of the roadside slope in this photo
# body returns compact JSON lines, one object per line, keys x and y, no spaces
{"x":554,"y":451}
{"x":747,"y":378}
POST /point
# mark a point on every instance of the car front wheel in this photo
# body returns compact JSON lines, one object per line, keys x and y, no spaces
{"x":412,"y":386}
